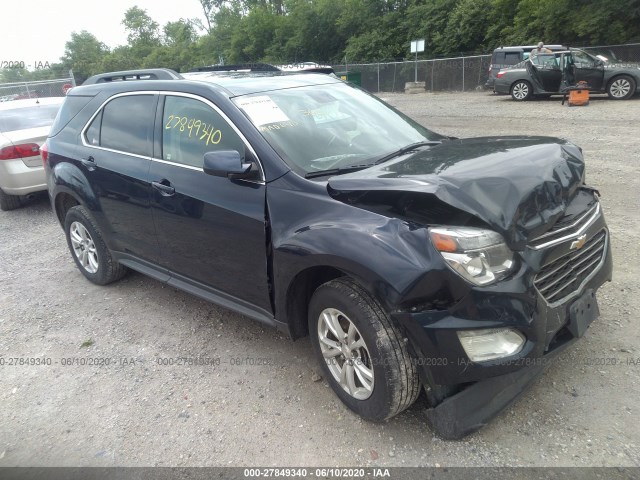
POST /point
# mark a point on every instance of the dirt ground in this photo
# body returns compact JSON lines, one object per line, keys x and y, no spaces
{"x":256,"y":402}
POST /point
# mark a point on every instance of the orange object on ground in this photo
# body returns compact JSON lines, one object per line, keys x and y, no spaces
{"x":578,"y":97}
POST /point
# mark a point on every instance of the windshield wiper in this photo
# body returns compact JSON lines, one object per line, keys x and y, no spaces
{"x":336,"y":171}
{"x":404,"y":150}
{"x":389,"y":156}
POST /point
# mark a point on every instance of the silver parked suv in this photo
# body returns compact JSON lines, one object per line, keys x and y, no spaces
{"x":24,"y":126}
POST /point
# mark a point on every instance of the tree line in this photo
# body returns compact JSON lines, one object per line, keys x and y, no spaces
{"x":339,"y":31}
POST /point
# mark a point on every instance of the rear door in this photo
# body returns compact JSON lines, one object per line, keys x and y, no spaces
{"x":545,"y":70}
{"x":115,"y":157}
{"x":211,"y":229}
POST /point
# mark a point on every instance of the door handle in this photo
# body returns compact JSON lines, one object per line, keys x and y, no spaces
{"x":89,"y":162}
{"x":164,"y":187}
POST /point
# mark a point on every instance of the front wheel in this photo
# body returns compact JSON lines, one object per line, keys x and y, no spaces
{"x":88,"y":249}
{"x":621,"y":87}
{"x":521,"y":91}
{"x":362,"y":353}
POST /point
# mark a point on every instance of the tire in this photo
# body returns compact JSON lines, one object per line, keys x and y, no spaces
{"x":8,"y":202}
{"x":391,"y":383}
{"x":621,"y":87}
{"x":88,"y":249}
{"x":521,"y":91}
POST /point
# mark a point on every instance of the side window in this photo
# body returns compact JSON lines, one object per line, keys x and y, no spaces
{"x":93,"y":132}
{"x":191,"y":128}
{"x":548,"y":61}
{"x":125,"y":124}
{"x":581,"y":59}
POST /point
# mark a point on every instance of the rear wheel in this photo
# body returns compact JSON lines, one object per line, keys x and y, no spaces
{"x":8,"y":202}
{"x":621,"y":87}
{"x":521,"y":90}
{"x":362,"y":353}
{"x":88,"y":249}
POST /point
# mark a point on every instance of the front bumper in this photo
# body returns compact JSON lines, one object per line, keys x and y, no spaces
{"x":473,"y":407}
{"x":487,"y":387}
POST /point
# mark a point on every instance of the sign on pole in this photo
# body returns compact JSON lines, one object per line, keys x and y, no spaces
{"x":417,"y":46}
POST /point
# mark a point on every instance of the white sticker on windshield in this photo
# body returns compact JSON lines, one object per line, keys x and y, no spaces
{"x":262,"y":110}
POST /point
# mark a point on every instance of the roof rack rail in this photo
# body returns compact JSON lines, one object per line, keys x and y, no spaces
{"x":128,"y":75}
{"x":238,"y":67}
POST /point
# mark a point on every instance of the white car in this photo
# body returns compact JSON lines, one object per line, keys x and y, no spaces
{"x":24,"y":126}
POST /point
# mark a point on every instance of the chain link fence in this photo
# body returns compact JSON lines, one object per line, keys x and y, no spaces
{"x":36,"y":89}
{"x":629,"y":53}
{"x":452,"y":74}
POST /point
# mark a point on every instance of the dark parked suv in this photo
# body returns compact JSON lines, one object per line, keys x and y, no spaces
{"x":415,"y":262}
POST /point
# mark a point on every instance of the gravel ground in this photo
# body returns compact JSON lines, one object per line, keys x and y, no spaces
{"x":261,"y":401}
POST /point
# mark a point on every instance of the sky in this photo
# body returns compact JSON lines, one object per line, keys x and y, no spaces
{"x":35,"y":31}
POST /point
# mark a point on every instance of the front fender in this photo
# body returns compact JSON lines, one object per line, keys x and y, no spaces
{"x":389,"y":257}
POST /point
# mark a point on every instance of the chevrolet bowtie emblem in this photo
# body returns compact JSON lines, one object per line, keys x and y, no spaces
{"x":579,"y":242}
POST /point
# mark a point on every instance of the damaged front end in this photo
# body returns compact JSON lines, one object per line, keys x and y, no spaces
{"x":488,"y":329}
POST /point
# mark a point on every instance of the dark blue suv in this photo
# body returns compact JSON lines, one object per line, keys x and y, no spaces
{"x":416,"y":262}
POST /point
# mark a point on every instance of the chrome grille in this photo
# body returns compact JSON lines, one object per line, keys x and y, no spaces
{"x":564,"y":276}
{"x":564,"y":229}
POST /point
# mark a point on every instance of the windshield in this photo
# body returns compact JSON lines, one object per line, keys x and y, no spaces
{"x":27,"y":117}
{"x":330,"y":126}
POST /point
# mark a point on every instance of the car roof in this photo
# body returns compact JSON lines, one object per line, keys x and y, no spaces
{"x":528,"y":48}
{"x":230,"y":84}
{"x":30,"y":102}
{"x":246,"y":84}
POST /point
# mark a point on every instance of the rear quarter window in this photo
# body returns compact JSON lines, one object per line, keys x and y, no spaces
{"x":498,"y":57}
{"x":511,"y":58}
{"x":70,"y":108}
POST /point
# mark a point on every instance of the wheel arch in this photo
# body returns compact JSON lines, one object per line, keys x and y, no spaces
{"x":69,"y":187}
{"x":299,"y":292}
{"x":62,"y":203}
{"x":522,"y":80}
{"x":303,"y":284}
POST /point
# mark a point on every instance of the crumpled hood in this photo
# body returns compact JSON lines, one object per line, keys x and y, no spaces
{"x":520,"y":186}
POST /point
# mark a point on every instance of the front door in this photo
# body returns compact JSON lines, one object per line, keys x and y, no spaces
{"x":211,"y":229}
{"x":588,"y":69}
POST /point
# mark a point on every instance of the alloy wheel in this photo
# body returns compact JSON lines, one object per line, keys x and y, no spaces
{"x":620,"y":88}
{"x":521,"y":91}
{"x":83,"y":247}
{"x":346,"y":353}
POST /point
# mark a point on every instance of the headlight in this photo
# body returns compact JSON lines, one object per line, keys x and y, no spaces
{"x":478,"y":255}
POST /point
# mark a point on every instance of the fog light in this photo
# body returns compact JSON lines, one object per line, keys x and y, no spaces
{"x":491,"y":343}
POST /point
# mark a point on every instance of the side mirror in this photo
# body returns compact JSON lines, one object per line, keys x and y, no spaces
{"x":226,"y":163}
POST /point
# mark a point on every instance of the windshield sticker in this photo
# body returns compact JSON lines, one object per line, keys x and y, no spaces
{"x":194,"y":128}
{"x":262,"y":110}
